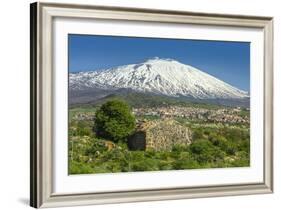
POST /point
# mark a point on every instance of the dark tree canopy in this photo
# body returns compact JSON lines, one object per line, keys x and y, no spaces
{"x":114,"y":120}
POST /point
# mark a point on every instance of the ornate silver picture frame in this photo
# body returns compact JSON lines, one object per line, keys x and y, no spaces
{"x":42,"y":158}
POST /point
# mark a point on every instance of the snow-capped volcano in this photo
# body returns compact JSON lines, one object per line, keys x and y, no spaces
{"x":158,"y":76}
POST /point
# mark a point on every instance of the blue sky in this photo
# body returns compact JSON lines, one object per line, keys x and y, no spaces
{"x":228,"y":61}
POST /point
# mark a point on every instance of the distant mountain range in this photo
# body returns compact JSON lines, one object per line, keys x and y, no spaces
{"x":166,"y":77}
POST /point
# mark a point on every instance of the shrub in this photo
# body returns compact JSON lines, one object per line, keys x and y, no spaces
{"x":79,"y":168}
{"x":231,"y":149}
{"x":179,"y":148}
{"x":146,"y":164}
{"x":204,"y":151}
{"x":185,"y":164}
{"x":197,"y":134}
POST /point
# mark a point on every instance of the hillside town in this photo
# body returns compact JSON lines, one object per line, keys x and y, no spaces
{"x":223,"y":115}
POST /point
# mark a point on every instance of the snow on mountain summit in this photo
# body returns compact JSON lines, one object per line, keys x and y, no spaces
{"x":159,"y":76}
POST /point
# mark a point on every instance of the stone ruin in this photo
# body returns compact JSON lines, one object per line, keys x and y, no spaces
{"x":159,"y":135}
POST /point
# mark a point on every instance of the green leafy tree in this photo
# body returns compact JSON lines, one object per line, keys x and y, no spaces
{"x":114,"y":120}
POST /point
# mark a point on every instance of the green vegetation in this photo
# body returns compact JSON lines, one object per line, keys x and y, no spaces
{"x":104,"y":149}
{"x":145,"y":100}
{"x":91,"y":155}
{"x":114,"y":121}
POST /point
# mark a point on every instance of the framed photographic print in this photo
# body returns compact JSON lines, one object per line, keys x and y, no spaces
{"x":135,"y":105}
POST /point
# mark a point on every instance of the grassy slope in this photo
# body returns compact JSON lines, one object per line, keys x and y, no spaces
{"x":145,"y":100}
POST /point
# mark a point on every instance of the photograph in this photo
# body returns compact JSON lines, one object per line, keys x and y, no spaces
{"x":133,"y":104}
{"x":152,"y":104}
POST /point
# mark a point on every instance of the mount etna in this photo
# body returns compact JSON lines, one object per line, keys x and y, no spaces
{"x":166,"y":78}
